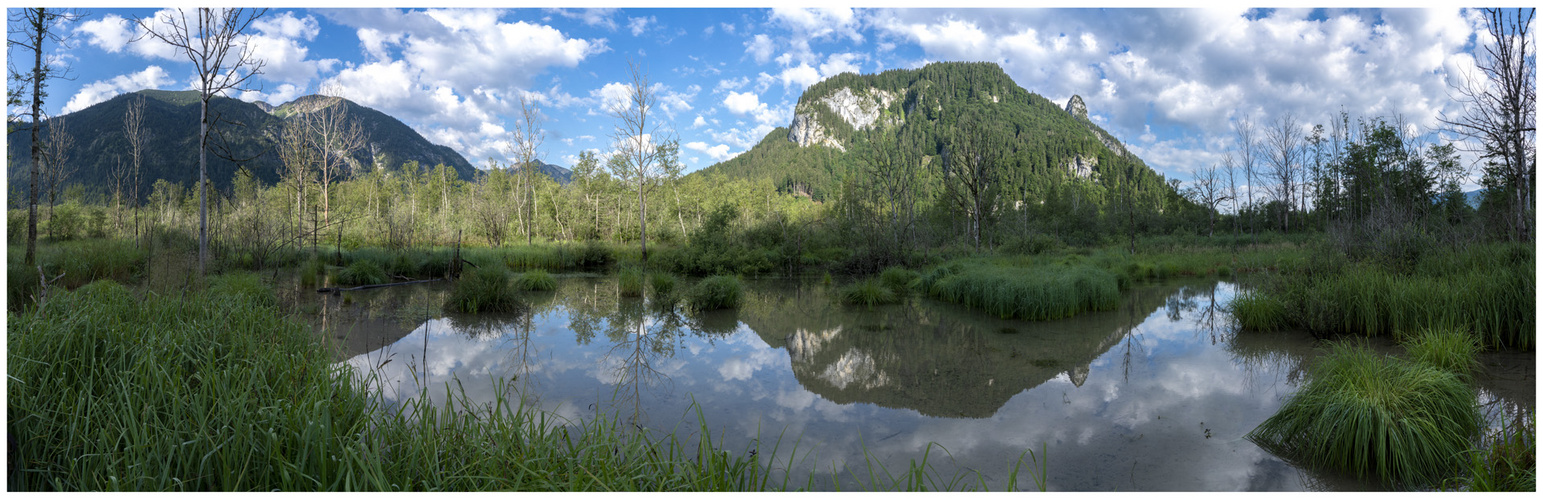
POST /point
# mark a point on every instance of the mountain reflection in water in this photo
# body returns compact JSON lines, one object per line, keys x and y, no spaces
{"x":1155,"y":395}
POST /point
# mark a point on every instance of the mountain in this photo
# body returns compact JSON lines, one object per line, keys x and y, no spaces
{"x":251,"y":133}
{"x":1045,"y":142}
{"x":562,"y":175}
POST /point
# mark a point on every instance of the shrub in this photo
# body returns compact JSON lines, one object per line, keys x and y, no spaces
{"x":482,"y":290}
{"x":867,"y":293}
{"x":717,"y":292}
{"x":1376,"y":417}
{"x":535,"y":280}
{"x":1449,"y":349}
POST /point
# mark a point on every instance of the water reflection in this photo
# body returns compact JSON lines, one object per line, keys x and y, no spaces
{"x":1155,"y":395}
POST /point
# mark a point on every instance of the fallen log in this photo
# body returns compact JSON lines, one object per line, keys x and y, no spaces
{"x":362,"y":287}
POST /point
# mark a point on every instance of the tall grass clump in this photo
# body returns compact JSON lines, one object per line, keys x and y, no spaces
{"x":717,"y":292}
{"x":535,"y":280}
{"x":899,"y":280}
{"x":360,"y":272}
{"x":312,"y":271}
{"x":661,"y":284}
{"x":1257,"y":311}
{"x":867,"y":293}
{"x":482,"y":290}
{"x":630,"y":282}
{"x":1506,"y":460}
{"x":84,"y":261}
{"x":1449,"y":349}
{"x":1035,"y":293}
{"x":1375,"y":417}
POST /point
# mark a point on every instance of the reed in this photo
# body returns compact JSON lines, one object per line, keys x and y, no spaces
{"x":360,"y":272}
{"x":661,"y":284}
{"x":1036,"y":293}
{"x":1449,"y":349}
{"x":1505,"y":461}
{"x":899,"y":280}
{"x":1257,"y":311}
{"x":1375,"y":417}
{"x":716,"y":292}
{"x":630,"y":282}
{"x":867,"y":293}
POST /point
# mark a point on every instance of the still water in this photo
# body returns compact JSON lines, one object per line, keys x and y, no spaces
{"x":1155,"y":395}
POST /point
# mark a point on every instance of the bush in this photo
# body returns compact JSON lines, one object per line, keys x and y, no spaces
{"x":867,"y":293}
{"x":535,"y":280}
{"x":1376,"y":417}
{"x":1449,"y":349}
{"x":717,"y":292}
{"x":482,"y":290}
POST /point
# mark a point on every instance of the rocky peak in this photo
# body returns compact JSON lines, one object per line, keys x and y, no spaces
{"x":1076,"y":107}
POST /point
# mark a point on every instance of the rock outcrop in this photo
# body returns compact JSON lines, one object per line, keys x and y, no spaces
{"x":1076,"y":107}
{"x":806,"y":131}
{"x":859,"y":111}
{"x":1081,"y":166}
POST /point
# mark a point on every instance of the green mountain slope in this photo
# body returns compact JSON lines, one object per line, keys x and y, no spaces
{"x":1047,"y":144}
{"x":250,"y":133}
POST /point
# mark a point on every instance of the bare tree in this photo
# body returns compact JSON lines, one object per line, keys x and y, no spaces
{"x":1231,"y":166}
{"x":336,"y":136}
{"x":1283,"y":142}
{"x":57,"y":145}
{"x":138,"y":138}
{"x":35,"y":27}
{"x":971,"y":169}
{"x":207,"y":40}
{"x":1499,"y":105}
{"x":298,"y":157}
{"x":1248,"y":153}
{"x":525,"y":145}
{"x":639,"y":144}
{"x":1207,"y":190}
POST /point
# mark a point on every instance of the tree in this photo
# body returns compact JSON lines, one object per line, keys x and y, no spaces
{"x":1207,"y":190}
{"x":525,"y":145}
{"x":36,"y":27}
{"x":134,"y":132}
{"x":336,"y":137}
{"x":1248,"y":146}
{"x":972,"y":166}
{"x":57,"y":145}
{"x":1231,"y":166}
{"x":1283,"y":140}
{"x":207,"y":41}
{"x":639,"y":141}
{"x":886,"y":173}
{"x":1499,"y":104}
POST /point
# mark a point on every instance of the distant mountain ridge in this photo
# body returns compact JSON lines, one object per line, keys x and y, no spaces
{"x":172,"y":152}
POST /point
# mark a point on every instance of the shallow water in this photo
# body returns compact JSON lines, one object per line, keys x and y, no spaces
{"x":1155,"y":395}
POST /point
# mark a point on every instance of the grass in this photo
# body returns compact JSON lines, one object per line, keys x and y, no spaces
{"x":630,"y":282}
{"x":1449,"y":349}
{"x":482,"y":290}
{"x":535,"y":280}
{"x":360,"y":272}
{"x":1506,"y":461}
{"x":1257,"y":311}
{"x":661,"y":284}
{"x":311,"y":272}
{"x":867,"y":293}
{"x":1487,"y":290}
{"x":717,"y":292}
{"x":1375,"y":417}
{"x":899,"y":280}
{"x":1037,"y":293}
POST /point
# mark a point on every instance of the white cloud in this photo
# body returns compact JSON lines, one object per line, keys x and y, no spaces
{"x":801,"y":76}
{"x":613,"y":96}
{"x":284,"y":93}
{"x":640,"y":24}
{"x":742,"y":103}
{"x":110,"y":33}
{"x":718,"y":153}
{"x":152,"y":77}
{"x":698,"y":122}
{"x":760,"y":47}
{"x":590,"y":17}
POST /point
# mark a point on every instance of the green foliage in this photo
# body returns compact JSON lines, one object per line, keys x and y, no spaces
{"x":1256,"y":311}
{"x":630,"y":282}
{"x":482,"y":290}
{"x":1449,"y":349}
{"x":21,"y":285}
{"x":661,"y":284}
{"x":1034,"y":293}
{"x":66,"y":222}
{"x":867,"y":293}
{"x":311,"y":271}
{"x":716,"y":292}
{"x":1507,"y":459}
{"x":1375,"y":417}
{"x":360,"y":272}
{"x":899,"y":280}
{"x":535,"y":280}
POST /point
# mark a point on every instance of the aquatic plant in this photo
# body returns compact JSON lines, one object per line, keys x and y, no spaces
{"x":360,"y":272}
{"x":661,"y":284}
{"x":630,"y":282}
{"x":534,"y":280}
{"x":1034,"y":293}
{"x":717,"y":292}
{"x":312,"y":271}
{"x":1374,"y":417}
{"x":1505,"y":461}
{"x":899,"y":280}
{"x":1449,"y":349}
{"x":867,"y":293}
{"x":1257,"y":311}
{"x":482,"y":290}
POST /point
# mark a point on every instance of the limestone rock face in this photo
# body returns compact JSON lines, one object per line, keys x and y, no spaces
{"x":805,"y":131}
{"x":1081,"y":166}
{"x":1076,"y":107}
{"x":861,"y":112}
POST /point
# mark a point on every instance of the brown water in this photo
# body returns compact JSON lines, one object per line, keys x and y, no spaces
{"x":1155,"y":395}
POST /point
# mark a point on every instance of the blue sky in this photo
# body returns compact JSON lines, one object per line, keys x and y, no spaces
{"x":1168,"y":82}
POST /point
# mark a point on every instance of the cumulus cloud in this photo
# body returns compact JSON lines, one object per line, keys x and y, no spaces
{"x":742,"y":103}
{"x":152,"y":77}
{"x":640,"y":24}
{"x":590,"y":17}
{"x":760,"y":47}
{"x":110,"y":33}
{"x":717,"y":153}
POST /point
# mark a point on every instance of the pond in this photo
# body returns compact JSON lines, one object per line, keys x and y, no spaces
{"x":1155,"y":395}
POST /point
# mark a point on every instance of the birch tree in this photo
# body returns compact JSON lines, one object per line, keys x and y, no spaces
{"x":31,"y":29}
{"x":639,"y":139}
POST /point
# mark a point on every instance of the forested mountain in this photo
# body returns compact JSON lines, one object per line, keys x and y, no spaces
{"x":248,"y":132}
{"x":1040,"y":144}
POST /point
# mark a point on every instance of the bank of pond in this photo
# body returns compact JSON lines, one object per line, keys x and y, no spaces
{"x":576,"y":368}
